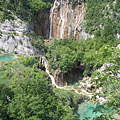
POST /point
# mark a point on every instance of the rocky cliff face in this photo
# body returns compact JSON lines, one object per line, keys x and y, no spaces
{"x":12,"y":37}
{"x":66,"y":20}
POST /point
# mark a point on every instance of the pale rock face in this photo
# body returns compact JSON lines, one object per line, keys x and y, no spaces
{"x":13,"y":39}
{"x":104,"y":66}
{"x":118,"y":46}
{"x":118,"y":35}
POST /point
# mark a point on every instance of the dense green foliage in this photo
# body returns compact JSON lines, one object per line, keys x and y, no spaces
{"x":25,"y":9}
{"x":109,"y":79}
{"x":70,"y":98}
{"x":65,"y":54}
{"x":98,"y":12}
{"x":93,"y":53}
{"x":29,"y":96}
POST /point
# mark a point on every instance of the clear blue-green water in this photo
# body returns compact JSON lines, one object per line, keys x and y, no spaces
{"x":6,"y":57}
{"x":75,"y":84}
{"x":86,"y":109}
{"x":91,"y":110}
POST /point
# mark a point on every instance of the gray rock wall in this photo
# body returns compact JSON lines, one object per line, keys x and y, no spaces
{"x":13,"y":38}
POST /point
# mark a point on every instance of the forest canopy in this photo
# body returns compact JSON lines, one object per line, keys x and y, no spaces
{"x":23,"y":8}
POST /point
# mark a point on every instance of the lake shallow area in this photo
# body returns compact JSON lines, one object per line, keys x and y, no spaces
{"x":86,"y":109}
{"x":6,"y":57}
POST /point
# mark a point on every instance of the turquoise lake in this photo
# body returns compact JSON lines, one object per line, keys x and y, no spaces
{"x":6,"y":57}
{"x":86,"y":110}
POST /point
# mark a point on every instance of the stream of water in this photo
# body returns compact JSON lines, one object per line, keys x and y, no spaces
{"x":51,"y":19}
{"x":44,"y":61}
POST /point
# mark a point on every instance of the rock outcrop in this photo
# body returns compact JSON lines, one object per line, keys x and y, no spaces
{"x":13,"y":38}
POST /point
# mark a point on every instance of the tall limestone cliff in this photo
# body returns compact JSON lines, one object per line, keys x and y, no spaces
{"x":64,"y":20}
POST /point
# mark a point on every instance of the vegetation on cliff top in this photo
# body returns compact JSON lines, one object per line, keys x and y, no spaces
{"x":25,"y":9}
{"x":98,"y":12}
{"x":67,"y":53}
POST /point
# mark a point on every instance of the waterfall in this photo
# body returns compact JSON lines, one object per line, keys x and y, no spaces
{"x":51,"y":23}
{"x":44,"y":62}
{"x":63,"y":19}
{"x":66,"y":20}
{"x":51,"y":20}
{"x":71,"y":22}
{"x":56,"y":4}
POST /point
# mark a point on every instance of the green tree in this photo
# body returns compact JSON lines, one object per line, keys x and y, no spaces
{"x":6,"y":95}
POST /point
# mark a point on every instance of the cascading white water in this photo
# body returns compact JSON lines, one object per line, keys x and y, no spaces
{"x":71,"y":22}
{"x":63,"y":19}
{"x":56,"y":4}
{"x":66,"y":20}
{"x":51,"y":22}
{"x":44,"y":62}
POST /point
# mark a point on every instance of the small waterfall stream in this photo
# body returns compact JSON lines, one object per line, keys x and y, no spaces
{"x":63,"y":18}
{"x":44,"y":62}
{"x":56,"y":3}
